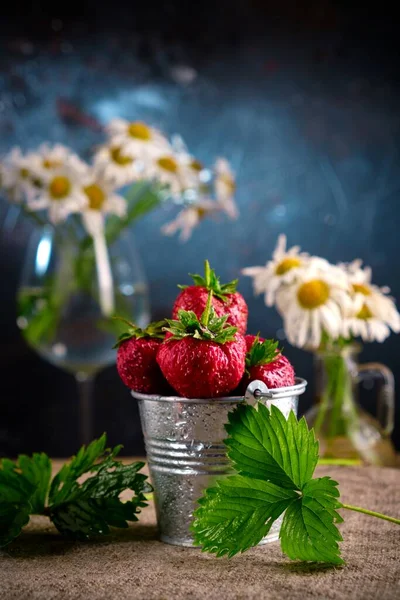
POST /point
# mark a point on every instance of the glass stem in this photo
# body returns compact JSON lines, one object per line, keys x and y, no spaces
{"x":85,"y":383}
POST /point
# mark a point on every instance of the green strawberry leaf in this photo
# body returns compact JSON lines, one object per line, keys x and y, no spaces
{"x":238,"y":513}
{"x":276,"y":459}
{"x":263,"y":445}
{"x":37,"y":470}
{"x":211,"y":282}
{"x":84,"y":510}
{"x":94,"y":506}
{"x":16,"y":492}
{"x":262,"y":353}
{"x":308,"y":531}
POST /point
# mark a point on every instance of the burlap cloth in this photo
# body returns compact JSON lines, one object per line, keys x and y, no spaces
{"x":133,"y":564}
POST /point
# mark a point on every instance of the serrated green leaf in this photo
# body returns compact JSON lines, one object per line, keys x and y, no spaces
{"x":308,"y":530}
{"x":95,"y":506}
{"x":263,"y":445}
{"x":65,"y":482}
{"x":238,"y":513}
{"x":37,"y":470}
{"x":85,"y":509}
{"x":15,"y":507}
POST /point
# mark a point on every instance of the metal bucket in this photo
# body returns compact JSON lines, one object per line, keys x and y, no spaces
{"x":185,"y":450}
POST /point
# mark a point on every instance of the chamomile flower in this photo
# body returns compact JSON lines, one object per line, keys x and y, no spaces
{"x":116,"y":165}
{"x":189,"y":218}
{"x":60,"y":192}
{"x":283,"y":269}
{"x":174,"y":171}
{"x":374,"y":312}
{"x":225,"y":187}
{"x":50,"y":158}
{"x":314,"y":303}
{"x":136,"y":138}
{"x":18,"y":176}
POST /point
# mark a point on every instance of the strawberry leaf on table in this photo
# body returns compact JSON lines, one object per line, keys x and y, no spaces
{"x":78,"y":509}
{"x":211,"y":282}
{"x":16,"y":492}
{"x":262,"y":353}
{"x":36,"y":470}
{"x":275,"y":459}
{"x":83,"y":510}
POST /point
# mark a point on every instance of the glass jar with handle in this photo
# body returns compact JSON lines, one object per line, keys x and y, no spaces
{"x":347,"y":432}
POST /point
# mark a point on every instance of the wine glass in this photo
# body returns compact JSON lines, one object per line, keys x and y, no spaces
{"x":60,"y":314}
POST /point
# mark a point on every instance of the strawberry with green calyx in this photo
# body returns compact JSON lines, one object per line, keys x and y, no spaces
{"x":202,"y":358}
{"x":226,"y":300}
{"x":136,"y":358}
{"x":265,"y":362}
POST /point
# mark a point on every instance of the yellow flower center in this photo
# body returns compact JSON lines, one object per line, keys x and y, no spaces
{"x":364,"y":313}
{"x":168,"y":164}
{"x":119,"y":158}
{"x":51,"y":164}
{"x":59,"y":187}
{"x":202,"y":212}
{"x":24,"y":173}
{"x":286,"y":264}
{"x":359,"y":288}
{"x":140,"y":131}
{"x":313,"y":293}
{"x":196,"y":165}
{"x":96,"y":196}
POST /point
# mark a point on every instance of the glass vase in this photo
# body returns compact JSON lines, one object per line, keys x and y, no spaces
{"x":60,"y":309}
{"x":346,"y":432}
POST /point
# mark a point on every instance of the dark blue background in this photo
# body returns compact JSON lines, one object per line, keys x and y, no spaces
{"x":304,"y":102}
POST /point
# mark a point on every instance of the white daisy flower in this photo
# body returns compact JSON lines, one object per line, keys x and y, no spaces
{"x":54,"y":157}
{"x":136,"y":138}
{"x":313,"y":304}
{"x":374,"y":312}
{"x":18,"y":176}
{"x":225,"y":187}
{"x":60,"y":192}
{"x":283,"y":269}
{"x":189,"y":218}
{"x":116,"y":165}
{"x":173,"y":170}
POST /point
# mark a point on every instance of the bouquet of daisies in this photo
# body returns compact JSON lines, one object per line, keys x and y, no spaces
{"x":324,"y":308}
{"x":55,"y":186}
{"x":321,"y":304}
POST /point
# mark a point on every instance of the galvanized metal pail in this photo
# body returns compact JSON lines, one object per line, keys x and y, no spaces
{"x":185,"y":450}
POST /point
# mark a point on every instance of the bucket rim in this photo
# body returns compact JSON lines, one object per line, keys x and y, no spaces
{"x":272,"y":394}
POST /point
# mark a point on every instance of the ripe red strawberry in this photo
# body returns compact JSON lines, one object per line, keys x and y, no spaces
{"x":205,"y":357}
{"x":226,"y":300}
{"x":136,"y":359}
{"x":265,"y":362}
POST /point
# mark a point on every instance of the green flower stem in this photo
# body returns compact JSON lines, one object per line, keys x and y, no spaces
{"x":371,"y":513}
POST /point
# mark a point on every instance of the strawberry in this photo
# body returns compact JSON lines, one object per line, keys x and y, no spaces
{"x":204,"y":358}
{"x":136,"y":359}
{"x":226,"y":300}
{"x":265,"y":362}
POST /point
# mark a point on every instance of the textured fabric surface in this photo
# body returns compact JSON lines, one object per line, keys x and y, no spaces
{"x":133,"y":564}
